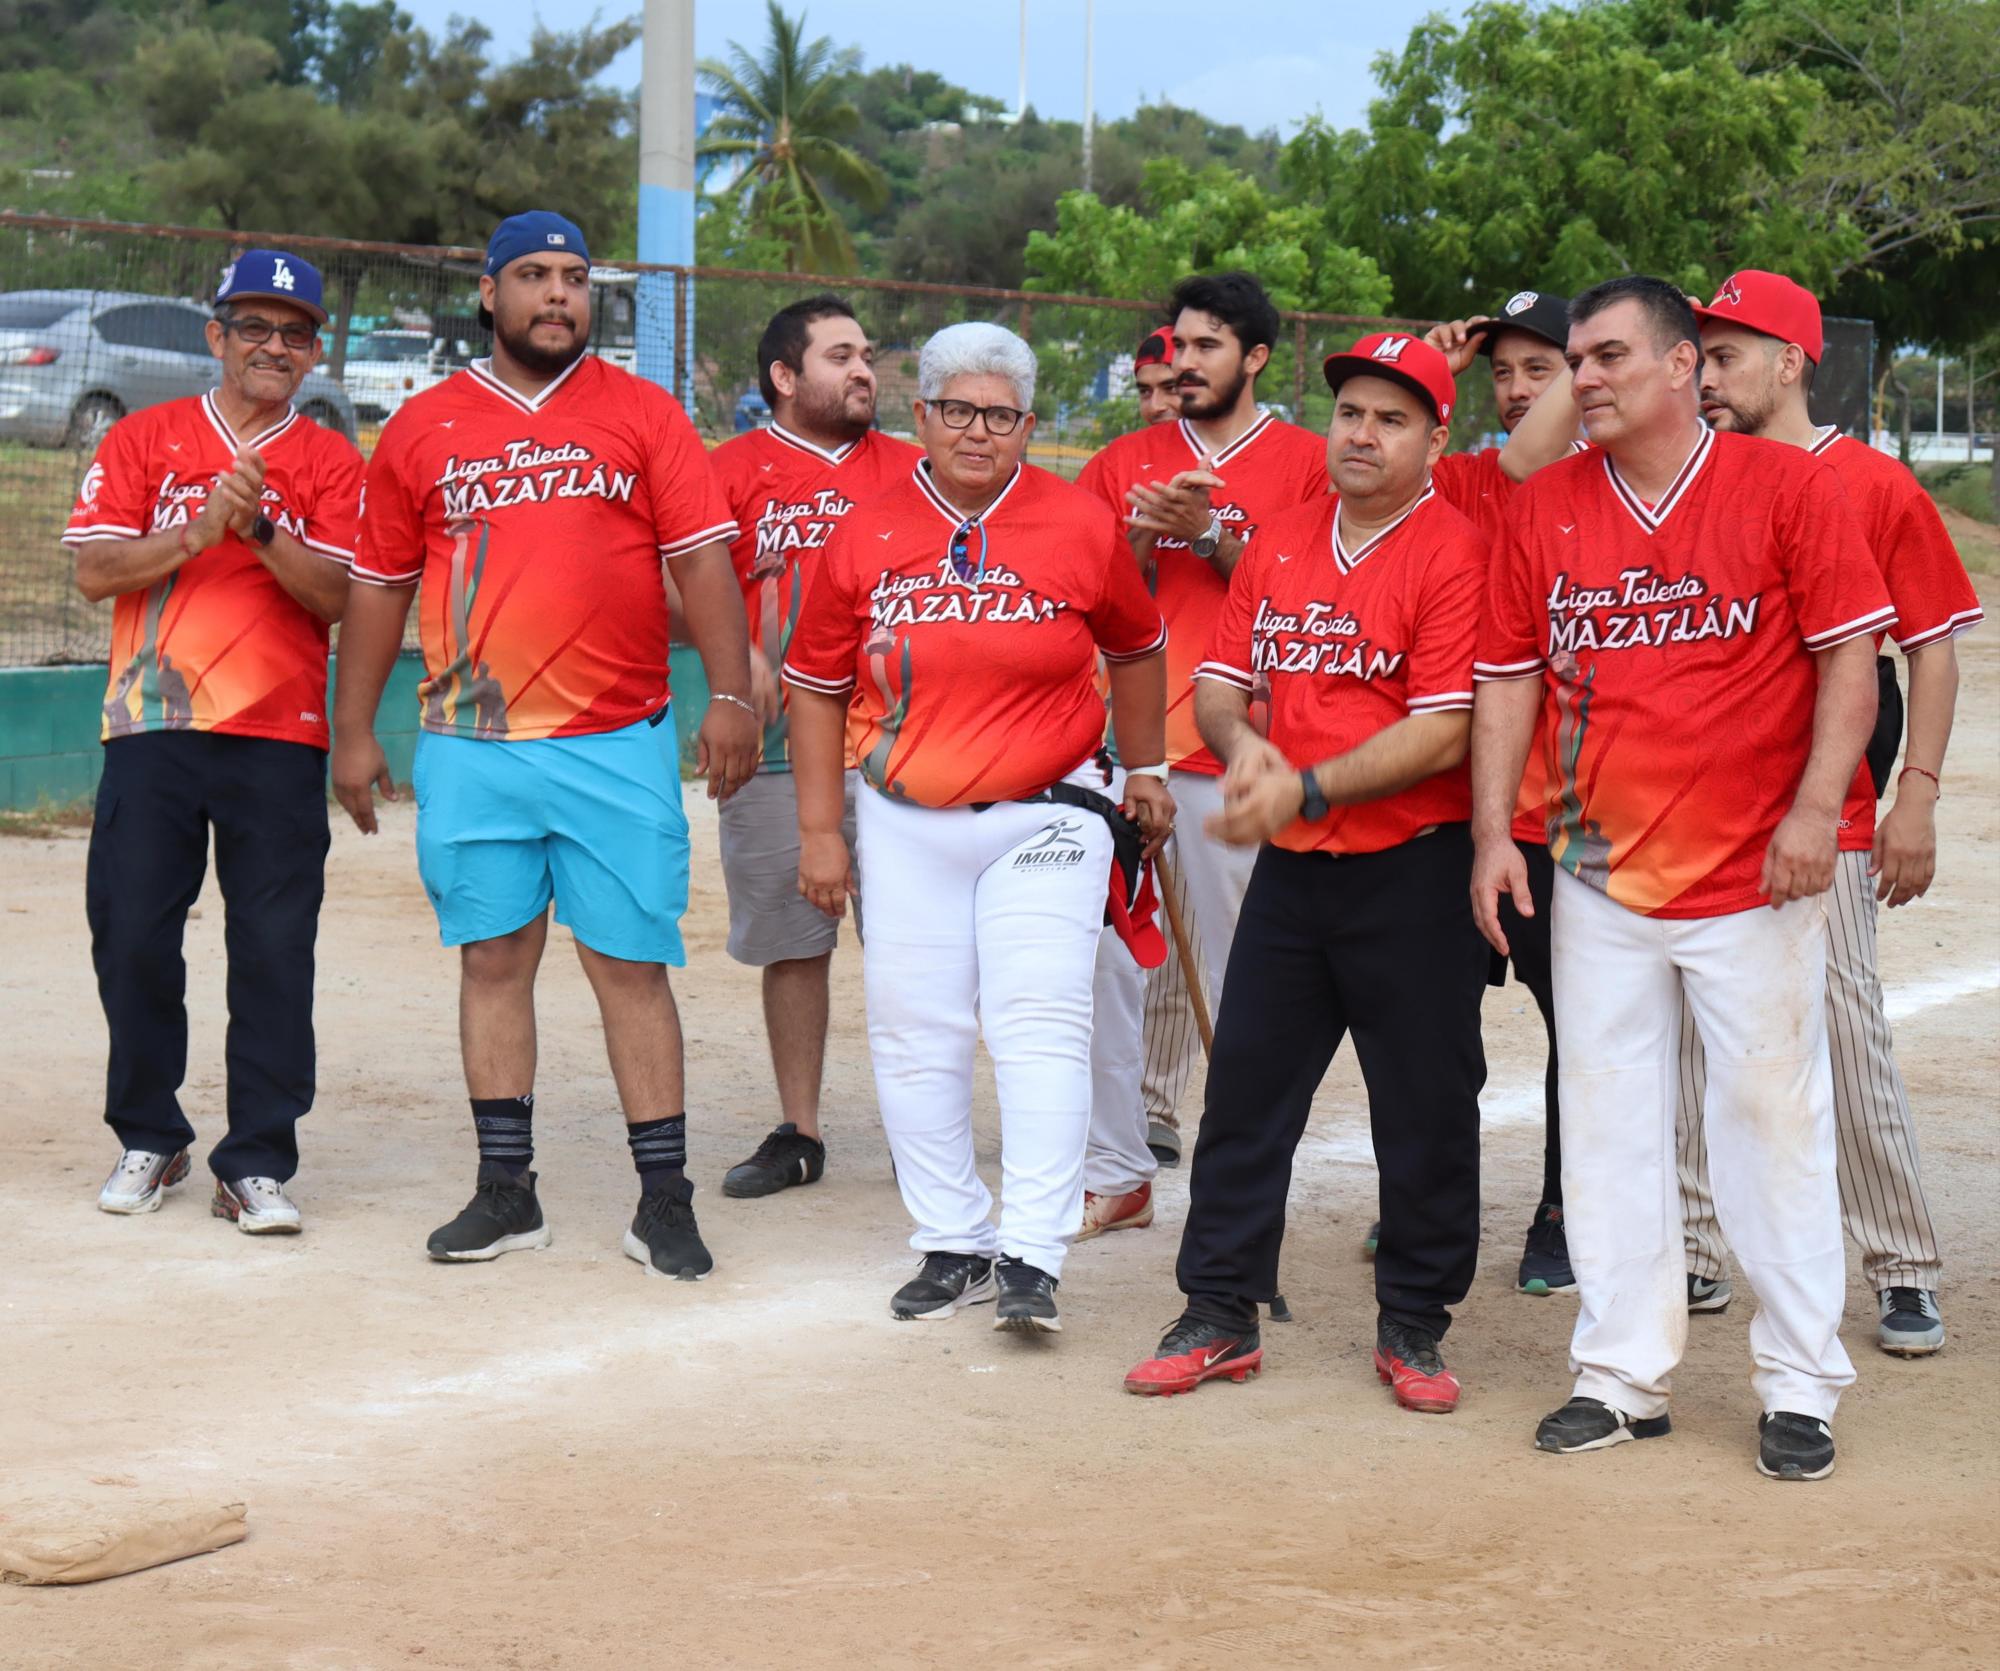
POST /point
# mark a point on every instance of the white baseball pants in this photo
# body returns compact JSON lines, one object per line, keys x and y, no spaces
{"x":1212,"y":879}
{"x":1881,"y":1183}
{"x":1756,"y":983}
{"x":984,"y":920}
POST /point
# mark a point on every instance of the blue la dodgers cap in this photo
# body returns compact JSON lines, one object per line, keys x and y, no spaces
{"x":271,"y":275}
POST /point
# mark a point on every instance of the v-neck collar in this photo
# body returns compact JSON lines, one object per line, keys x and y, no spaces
{"x":1264,"y":421}
{"x":840,"y":455}
{"x":212,"y":409}
{"x":944,"y":507}
{"x":1348,"y":561}
{"x":1651,"y":517}
{"x":1824,"y":440}
{"x":482,"y":374}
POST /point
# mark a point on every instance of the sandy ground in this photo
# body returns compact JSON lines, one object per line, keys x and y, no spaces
{"x":554,"y":1461}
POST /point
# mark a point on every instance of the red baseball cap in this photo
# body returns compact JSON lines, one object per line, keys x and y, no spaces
{"x":1404,"y":359}
{"x":1157,"y":349}
{"x":1772,"y":304}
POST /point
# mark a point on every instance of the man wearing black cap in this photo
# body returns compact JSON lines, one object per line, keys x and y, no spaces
{"x":535,"y":495}
{"x":224,"y":526}
{"x":1524,"y":345}
{"x":1358,"y":617}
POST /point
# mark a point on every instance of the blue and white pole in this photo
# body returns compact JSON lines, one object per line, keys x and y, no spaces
{"x":666,"y":191}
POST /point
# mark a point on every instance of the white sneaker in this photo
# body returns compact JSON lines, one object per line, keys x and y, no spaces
{"x":140,"y":1181}
{"x":258,"y":1206}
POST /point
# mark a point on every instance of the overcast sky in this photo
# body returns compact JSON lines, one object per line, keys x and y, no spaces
{"x":1260,"y":63}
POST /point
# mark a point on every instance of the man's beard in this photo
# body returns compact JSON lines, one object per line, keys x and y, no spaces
{"x":531,"y":356}
{"x":830,"y":414}
{"x":1211,"y":402}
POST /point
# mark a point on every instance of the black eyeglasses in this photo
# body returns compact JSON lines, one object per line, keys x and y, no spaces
{"x":958,"y":414}
{"x":961,"y":550}
{"x":257,"y":331}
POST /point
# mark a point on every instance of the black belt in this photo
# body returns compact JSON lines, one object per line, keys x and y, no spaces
{"x":1128,"y":841}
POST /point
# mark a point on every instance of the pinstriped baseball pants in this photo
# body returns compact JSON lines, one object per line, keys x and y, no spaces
{"x":1881,"y":1185}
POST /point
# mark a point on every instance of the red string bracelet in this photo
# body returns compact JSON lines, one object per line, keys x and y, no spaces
{"x":1935,"y":783}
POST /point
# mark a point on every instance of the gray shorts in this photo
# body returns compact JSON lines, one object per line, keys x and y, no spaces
{"x":769,"y":921}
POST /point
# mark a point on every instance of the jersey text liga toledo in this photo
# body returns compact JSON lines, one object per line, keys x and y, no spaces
{"x":1927,"y":582}
{"x":538,"y":527}
{"x":1270,"y":468}
{"x":218,"y":645}
{"x":975,"y":688}
{"x":1338,"y":644}
{"x":1676,"y":645}
{"x":788,"y":496}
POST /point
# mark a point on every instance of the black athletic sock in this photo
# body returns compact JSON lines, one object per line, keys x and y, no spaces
{"x":659,"y":1150}
{"x":506,"y":1128}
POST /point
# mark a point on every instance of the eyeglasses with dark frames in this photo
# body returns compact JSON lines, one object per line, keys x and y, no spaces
{"x":256,"y":332}
{"x":958,"y":414}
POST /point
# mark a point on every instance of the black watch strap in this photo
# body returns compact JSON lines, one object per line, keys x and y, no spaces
{"x":1315,"y":805}
{"x":262,"y":529}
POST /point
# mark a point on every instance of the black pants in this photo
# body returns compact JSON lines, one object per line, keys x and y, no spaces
{"x":1383,"y":946}
{"x":1528,"y":942}
{"x":161,"y":794}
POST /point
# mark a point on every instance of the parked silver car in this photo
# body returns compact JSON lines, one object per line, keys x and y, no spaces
{"x":73,"y":362}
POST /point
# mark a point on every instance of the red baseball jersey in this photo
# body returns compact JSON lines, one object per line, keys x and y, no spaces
{"x":538,"y":528}
{"x":218,"y":645}
{"x":1337,"y":643}
{"x":788,"y":496}
{"x":1675,"y":642}
{"x":980,"y":688}
{"x":1926,"y":578}
{"x":1270,"y":468}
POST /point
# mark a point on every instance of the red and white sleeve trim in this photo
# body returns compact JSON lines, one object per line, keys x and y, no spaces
{"x":726,"y":532}
{"x":372,"y":578}
{"x":1442,"y":702}
{"x":825,"y":687}
{"x":100,"y":531}
{"x":1880,"y":620}
{"x":336,"y":553}
{"x":1964,"y":621}
{"x":1496,"y":672}
{"x":1158,"y":644}
{"x":1224,"y":674}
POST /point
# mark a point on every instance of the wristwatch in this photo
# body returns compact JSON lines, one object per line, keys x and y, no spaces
{"x":1204,"y":545}
{"x":262,"y":529}
{"x":1315,"y":805}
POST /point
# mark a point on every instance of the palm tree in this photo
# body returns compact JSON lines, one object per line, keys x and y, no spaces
{"x":783,"y":120}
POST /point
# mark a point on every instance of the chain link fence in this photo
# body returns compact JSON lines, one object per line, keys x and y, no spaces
{"x":98,"y":319}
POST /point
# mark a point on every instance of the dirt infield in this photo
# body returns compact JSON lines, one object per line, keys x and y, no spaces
{"x":553,"y":1461}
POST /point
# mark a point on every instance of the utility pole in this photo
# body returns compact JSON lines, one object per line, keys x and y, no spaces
{"x":1021,"y":97}
{"x":666,"y":194}
{"x":1089,"y":49}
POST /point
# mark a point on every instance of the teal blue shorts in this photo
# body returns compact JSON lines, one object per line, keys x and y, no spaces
{"x":594,"y":823}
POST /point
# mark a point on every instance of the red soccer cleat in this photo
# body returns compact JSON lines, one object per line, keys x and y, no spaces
{"x":1193,"y":1352}
{"x":1406,"y":1357}
{"x":1116,"y":1212}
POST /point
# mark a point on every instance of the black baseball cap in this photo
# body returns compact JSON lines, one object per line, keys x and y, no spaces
{"x":1534,"y":311}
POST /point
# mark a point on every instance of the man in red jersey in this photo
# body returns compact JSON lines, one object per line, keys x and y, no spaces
{"x":224,"y":526}
{"x":535,"y":495}
{"x":1761,"y":342}
{"x":953,"y":633}
{"x":1523,"y":344}
{"x":1158,"y":383}
{"x":1359,"y":615}
{"x":1698,"y":608}
{"x":1193,"y":494}
{"x":789,"y":487}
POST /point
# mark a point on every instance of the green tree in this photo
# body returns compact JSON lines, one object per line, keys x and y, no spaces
{"x":784,"y":120}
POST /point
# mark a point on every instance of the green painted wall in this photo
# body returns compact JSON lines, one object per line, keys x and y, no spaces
{"x":50,"y":717}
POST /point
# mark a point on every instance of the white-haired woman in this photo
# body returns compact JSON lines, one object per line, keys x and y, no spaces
{"x":950,"y":637}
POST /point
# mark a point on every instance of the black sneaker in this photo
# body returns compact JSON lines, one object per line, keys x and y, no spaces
{"x":1589,"y":1424}
{"x":1793,"y":1447}
{"x":1027,"y":1299}
{"x":783,"y":1159}
{"x":502,"y":1215}
{"x":664,"y":1236}
{"x":1545,"y":1260}
{"x":944,"y":1282}
{"x":1909,"y":1325}
{"x":1706,"y":1297}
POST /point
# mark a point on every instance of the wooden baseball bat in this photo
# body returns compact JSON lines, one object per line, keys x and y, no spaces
{"x":1184,"y":949}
